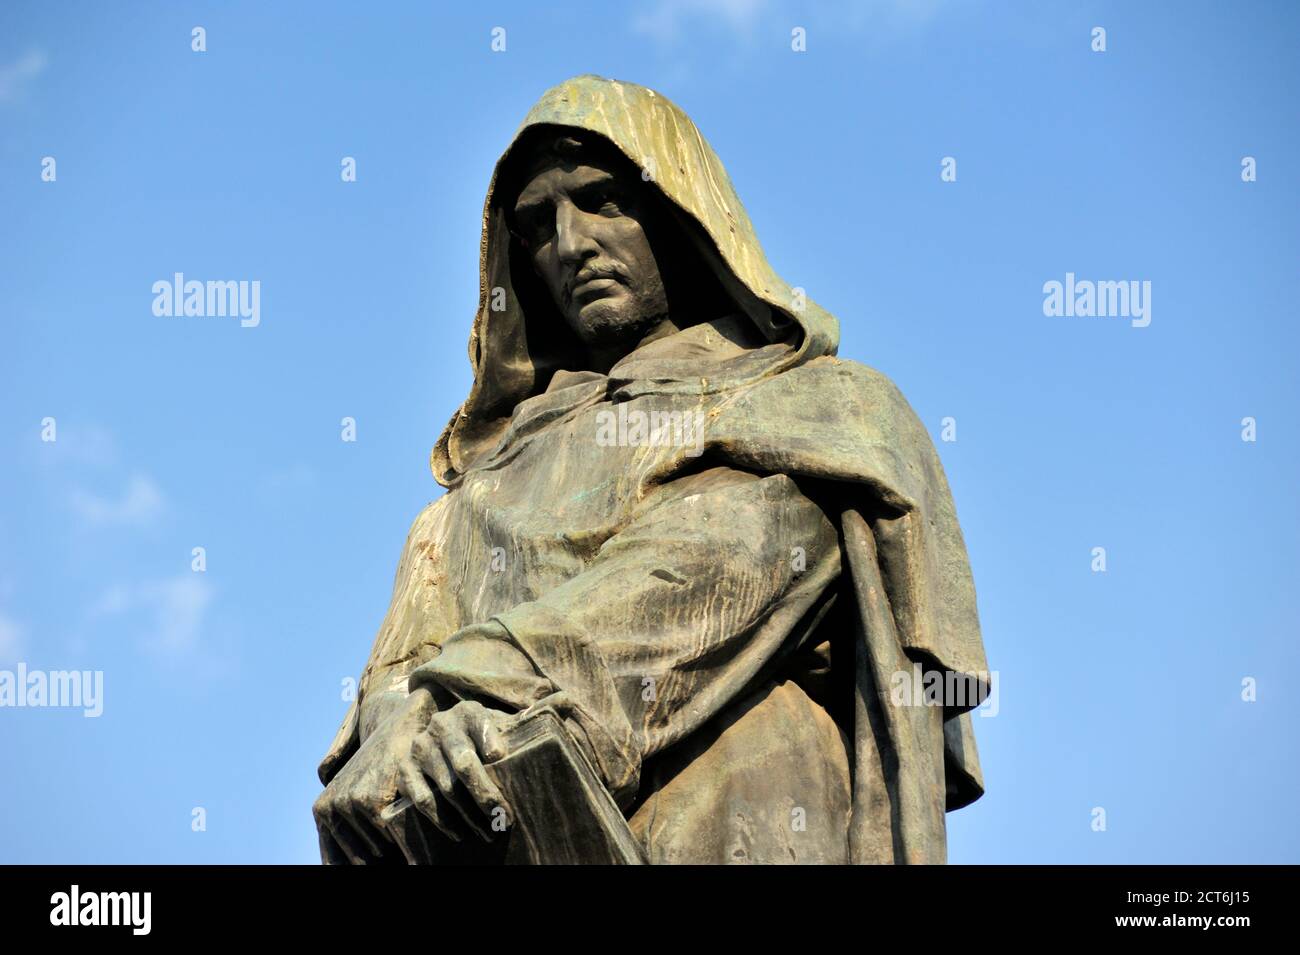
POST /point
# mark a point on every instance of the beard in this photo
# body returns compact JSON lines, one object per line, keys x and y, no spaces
{"x":619,"y":319}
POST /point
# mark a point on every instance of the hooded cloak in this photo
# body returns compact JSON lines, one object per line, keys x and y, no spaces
{"x":785,"y":423}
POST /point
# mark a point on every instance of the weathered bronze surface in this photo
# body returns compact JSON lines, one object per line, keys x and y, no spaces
{"x":686,"y":557}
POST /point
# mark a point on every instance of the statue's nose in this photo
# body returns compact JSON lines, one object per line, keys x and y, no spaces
{"x":573,"y":241}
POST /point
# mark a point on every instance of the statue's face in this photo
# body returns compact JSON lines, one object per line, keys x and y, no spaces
{"x":583,"y":228}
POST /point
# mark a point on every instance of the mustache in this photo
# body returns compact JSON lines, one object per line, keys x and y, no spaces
{"x":594,"y":270}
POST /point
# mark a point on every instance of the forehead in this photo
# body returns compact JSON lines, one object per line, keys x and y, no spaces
{"x":547,"y":182}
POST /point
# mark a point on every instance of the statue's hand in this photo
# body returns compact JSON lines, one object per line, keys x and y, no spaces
{"x":348,"y":811}
{"x":450,"y":752}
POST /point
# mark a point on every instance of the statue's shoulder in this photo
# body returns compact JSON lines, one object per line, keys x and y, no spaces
{"x":426,"y":524}
{"x":430,"y":511}
{"x":828,"y":366}
{"x":830,"y":418}
{"x":842,"y":386}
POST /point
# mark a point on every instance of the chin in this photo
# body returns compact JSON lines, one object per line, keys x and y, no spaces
{"x":603,"y":322}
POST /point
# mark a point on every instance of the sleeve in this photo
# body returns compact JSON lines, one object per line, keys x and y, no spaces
{"x":413,"y":613}
{"x":711,"y":581}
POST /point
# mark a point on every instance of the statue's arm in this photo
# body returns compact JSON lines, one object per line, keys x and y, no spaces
{"x":401,"y":643}
{"x":672,"y":619}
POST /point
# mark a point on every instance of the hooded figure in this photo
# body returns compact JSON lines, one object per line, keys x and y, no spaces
{"x":726,"y":561}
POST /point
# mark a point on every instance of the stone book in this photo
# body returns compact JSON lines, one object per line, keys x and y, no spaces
{"x":562,"y":812}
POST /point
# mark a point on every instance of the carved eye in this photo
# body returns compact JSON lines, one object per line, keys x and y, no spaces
{"x":535,"y":227}
{"x":604,"y":199}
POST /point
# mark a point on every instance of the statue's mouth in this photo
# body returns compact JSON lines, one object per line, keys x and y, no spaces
{"x":592,"y":283}
{"x":593,"y":288}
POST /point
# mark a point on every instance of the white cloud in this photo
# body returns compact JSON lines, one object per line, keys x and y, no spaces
{"x":178,"y":606}
{"x":86,"y":444}
{"x":15,"y":76}
{"x":88,"y":455}
{"x":174,"y":608}
{"x":141,"y":502}
{"x":664,"y":19}
{"x":80,"y":448}
{"x":112,"y":601}
{"x":297,"y":477}
{"x":880,"y":19}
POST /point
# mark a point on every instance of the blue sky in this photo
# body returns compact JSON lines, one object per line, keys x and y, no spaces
{"x":1120,"y":690}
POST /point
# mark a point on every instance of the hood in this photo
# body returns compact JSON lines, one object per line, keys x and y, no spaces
{"x":514,"y":361}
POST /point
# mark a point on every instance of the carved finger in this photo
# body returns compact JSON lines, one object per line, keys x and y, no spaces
{"x":458,"y":752}
{"x":331,"y":853}
{"x":353,"y":847}
{"x":414,"y":787}
{"x":469,"y":768}
{"x":482,"y":728}
{"x":428,"y":756}
{"x":358,"y":845}
{"x":428,"y":753}
{"x":488,"y":740}
{"x":369,"y":823}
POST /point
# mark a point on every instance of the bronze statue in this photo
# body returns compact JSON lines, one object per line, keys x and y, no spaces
{"x":686,"y":557}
